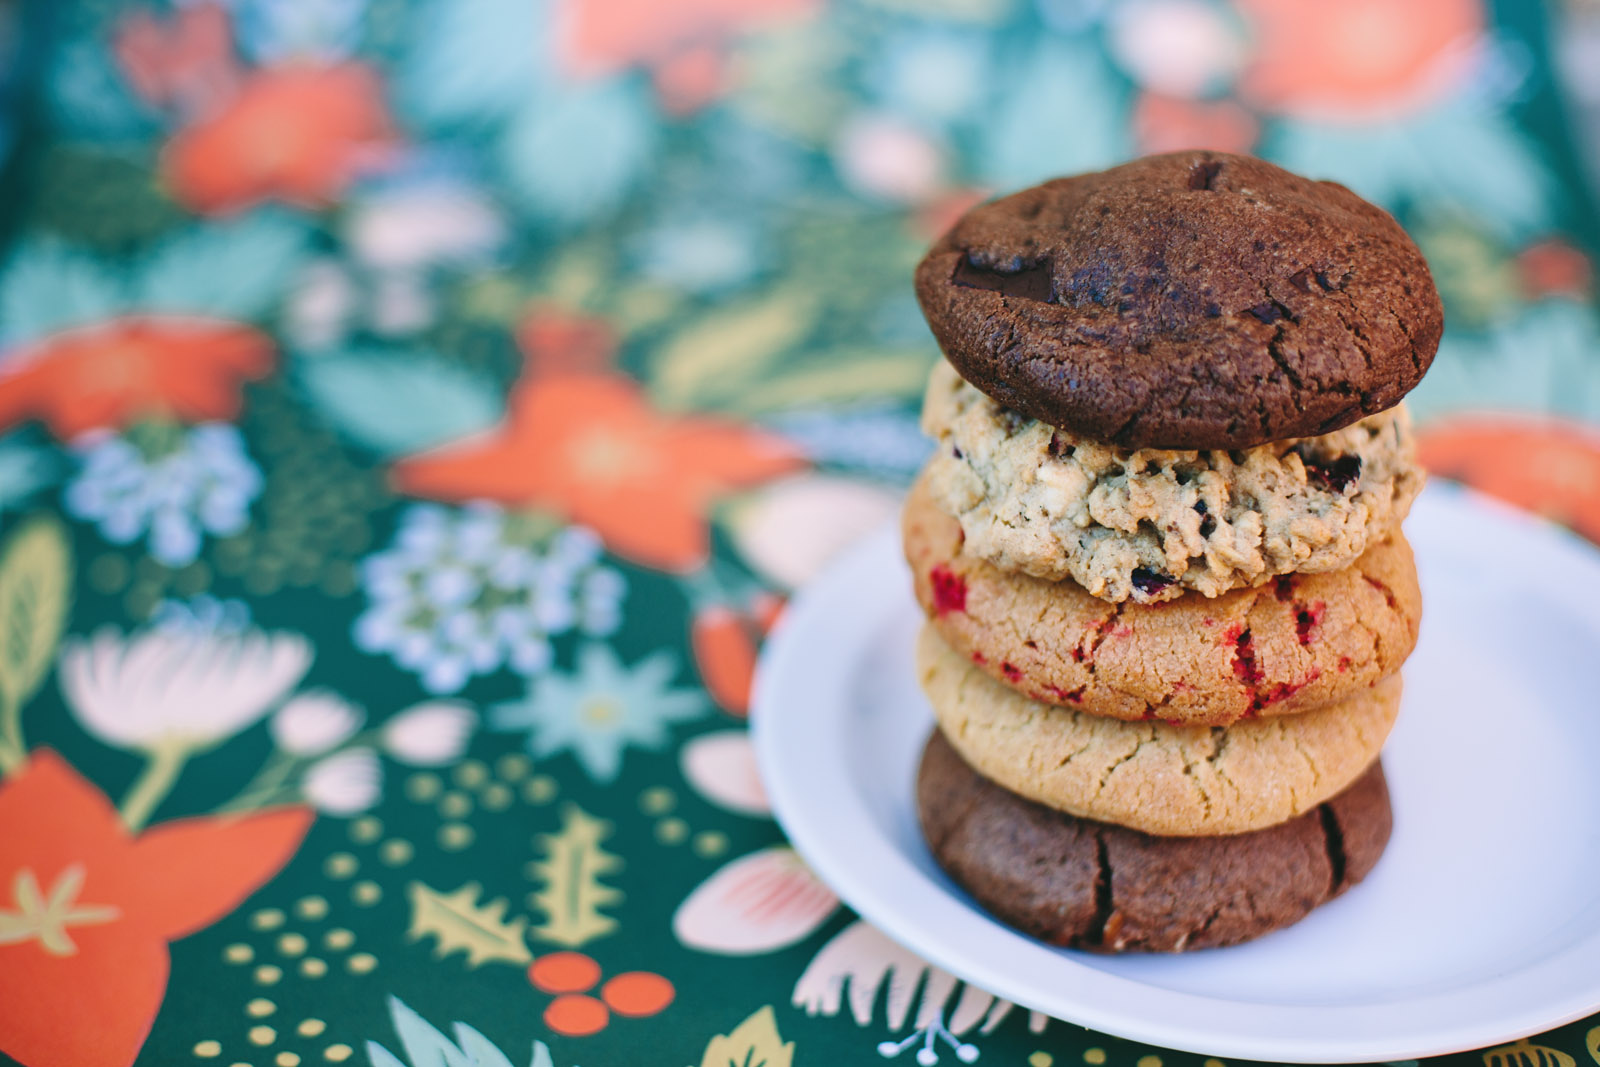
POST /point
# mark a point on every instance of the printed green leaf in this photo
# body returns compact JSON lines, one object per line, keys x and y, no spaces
{"x":461,"y":924}
{"x":571,"y":892}
{"x":35,"y":590}
{"x":845,"y":376}
{"x":717,"y":356}
{"x":753,"y":1043}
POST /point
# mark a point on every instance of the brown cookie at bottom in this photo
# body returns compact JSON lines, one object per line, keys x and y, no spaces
{"x":1097,"y":886}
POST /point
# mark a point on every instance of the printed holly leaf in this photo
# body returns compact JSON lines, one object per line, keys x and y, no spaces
{"x":753,"y":1043}
{"x":719,"y":355}
{"x":460,"y":923}
{"x":35,"y":589}
{"x":572,"y":893}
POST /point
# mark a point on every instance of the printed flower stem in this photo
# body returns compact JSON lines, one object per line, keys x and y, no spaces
{"x":268,"y":783}
{"x":13,"y":753}
{"x":159,"y":776}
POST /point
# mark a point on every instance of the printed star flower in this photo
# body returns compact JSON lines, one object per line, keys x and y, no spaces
{"x":602,"y":709}
{"x":113,"y":373}
{"x":299,"y":132}
{"x":87,"y":909}
{"x":591,"y":448}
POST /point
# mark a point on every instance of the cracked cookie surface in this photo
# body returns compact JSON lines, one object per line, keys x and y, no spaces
{"x":1091,"y":885}
{"x":1189,"y":300}
{"x":1147,"y":524}
{"x":1299,"y":642}
{"x":1180,"y":781}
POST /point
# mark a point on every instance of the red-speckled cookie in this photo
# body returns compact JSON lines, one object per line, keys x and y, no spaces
{"x":1091,"y":885}
{"x":1299,"y":642}
{"x":1191,"y":300}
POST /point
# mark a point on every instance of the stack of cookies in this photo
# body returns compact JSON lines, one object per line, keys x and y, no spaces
{"x":1159,"y":547}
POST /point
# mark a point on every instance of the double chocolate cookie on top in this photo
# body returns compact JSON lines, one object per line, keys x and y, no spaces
{"x":1159,"y":546}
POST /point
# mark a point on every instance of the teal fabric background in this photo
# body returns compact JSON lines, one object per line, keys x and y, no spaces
{"x":413,"y":415}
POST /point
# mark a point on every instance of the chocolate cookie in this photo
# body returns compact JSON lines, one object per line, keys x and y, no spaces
{"x":1300,"y":642}
{"x":1092,"y":885}
{"x":1180,"y":781}
{"x":1190,"y":300}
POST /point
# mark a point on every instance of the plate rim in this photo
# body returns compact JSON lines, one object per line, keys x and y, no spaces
{"x":1337,"y":1030}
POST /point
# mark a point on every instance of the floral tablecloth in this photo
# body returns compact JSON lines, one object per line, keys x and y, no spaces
{"x":414,"y":415}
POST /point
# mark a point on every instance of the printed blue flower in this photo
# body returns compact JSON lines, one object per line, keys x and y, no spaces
{"x":173,"y":486}
{"x":466,"y":592}
{"x":601,"y":709}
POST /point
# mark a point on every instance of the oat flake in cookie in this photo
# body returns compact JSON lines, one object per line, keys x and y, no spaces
{"x":1195,"y":300}
{"x":1147,"y":524}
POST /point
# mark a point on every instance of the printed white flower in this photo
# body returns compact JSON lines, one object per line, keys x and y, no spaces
{"x":429,"y":734}
{"x":755,"y":904}
{"x":186,"y":688}
{"x":312,"y":723}
{"x":345,"y":782}
{"x":1178,"y":47}
{"x":860,"y":963}
{"x":465,"y":592}
{"x":722,"y":766}
{"x":884,"y":156}
{"x":790,"y":529}
{"x":415,"y":227}
{"x":174,"y":486}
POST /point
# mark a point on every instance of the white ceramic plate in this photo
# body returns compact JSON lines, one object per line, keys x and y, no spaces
{"x":1480,"y":924}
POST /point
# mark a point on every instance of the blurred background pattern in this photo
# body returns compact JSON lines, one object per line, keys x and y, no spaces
{"x":463,"y":384}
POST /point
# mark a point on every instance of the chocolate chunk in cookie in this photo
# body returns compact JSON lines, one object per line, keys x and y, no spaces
{"x":1189,"y":300}
{"x":1092,"y":885}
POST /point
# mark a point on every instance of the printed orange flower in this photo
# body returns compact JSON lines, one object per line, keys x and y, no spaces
{"x":186,"y":62}
{"x":1554,"y":267}
{"x":591,"y":448}
{"x":87,"y":909}
{"x":1545,"y":465}
{"x":298,"y":133}
{"x":113,"y":373}
{"x":1360,"y":59}
{"x":1170,"y":124}
{"x":725,"y":647}
{"x":682,"y":43}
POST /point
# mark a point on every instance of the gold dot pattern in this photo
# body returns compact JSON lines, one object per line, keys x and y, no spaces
{"x":395,"y":852}
{"x":1094,"y":1056}
{"x":672,"y":830}
{"x":423,"y":787}
{"x":267,"y":974}
{"x":709,"y":843}
{"x":1041,"y":1059}
{"x":496,"y":797}
{"x":455,"y":836}
{"x":267,"y":919}
{"x":540,"y":789}
{"x":311,"y":907}
{"x":1213,"y":1063}
{"x":292,"y":945}
{"x":239,"y":953}
{"x":1149,"y":1061}
{"x":262,"y":1035}
{"x":208,"y":1049}
{"x":470,"y":774}
{"x":513,"y":766}
{"x":312,"y":967}
{"x":311,"y":1027}
{"x":366,"y":830}
{"x":657,"y":800}
{"x":341,"y":865}
{"x":339,"y":939}
{"x":260,"y":1008}
{"x":366,"y":894}
{"x":287,"y":1059}
{"x":454,"y":805}
{"x":337,"y":1053}
{"x":362,"y":963}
